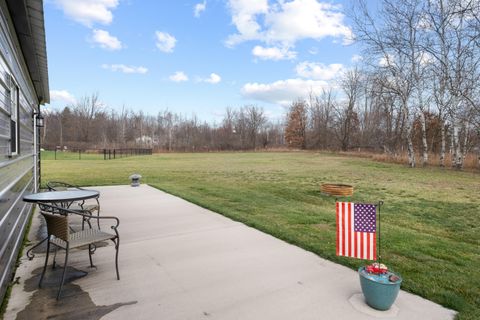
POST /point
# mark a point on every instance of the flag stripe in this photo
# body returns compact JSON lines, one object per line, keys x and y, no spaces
{"x":350,"y":228}
{"x":368,"y":248}
{"x":362,"y":247}
{"x":357,"y":241}
{"x":338,"y":227}
{"x":343,"y":228}
{"x":347,"y":227}
{"x":356,"y":231}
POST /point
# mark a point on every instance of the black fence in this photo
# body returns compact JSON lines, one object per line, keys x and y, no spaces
{"x":109,"y":154}
{"x":93,"y":154}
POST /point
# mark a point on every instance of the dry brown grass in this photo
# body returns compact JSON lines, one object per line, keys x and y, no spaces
{"x":471,"y":160}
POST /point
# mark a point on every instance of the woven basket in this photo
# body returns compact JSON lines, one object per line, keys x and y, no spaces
{"x":333,"y":189}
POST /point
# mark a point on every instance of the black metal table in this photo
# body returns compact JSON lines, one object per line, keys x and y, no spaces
{"x":65,"y":198}
{"x":59,"y":198}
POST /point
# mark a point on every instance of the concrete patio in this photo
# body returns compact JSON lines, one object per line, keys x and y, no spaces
{"x":180,"y":261}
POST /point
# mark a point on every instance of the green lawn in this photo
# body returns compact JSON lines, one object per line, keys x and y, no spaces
{"x":430,"y":220}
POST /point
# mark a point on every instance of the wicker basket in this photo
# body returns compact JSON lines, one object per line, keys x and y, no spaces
{"x":333,"y":189}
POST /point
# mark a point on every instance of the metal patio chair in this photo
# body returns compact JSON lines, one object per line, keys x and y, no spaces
{"x":61,"y":236}
{"x":90,"y":208}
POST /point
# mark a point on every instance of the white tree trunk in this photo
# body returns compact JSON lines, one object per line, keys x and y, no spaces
{"x":409,"y":124}
{"x":452,"y":148}
{"x":465,"y":142}
{"x":457,"y":154}
{"x":410,"y":151}
{"x":442,"y":146}
{"x":424,"y":139}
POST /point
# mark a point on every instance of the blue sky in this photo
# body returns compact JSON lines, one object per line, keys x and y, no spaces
{"x":195,"y":57}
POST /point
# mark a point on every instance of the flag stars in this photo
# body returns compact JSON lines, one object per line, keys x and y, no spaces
{"x":365,"y":217}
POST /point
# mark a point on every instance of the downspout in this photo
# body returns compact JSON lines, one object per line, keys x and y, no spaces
{"x":35,"y":154}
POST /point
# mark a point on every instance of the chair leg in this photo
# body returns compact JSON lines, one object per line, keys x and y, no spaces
{"x":90,"y":251}
{"x":98,"y":215}
{"x":64,"y":272}
{"x":117,"y":247}
{"x":54,"y":258}
{"x":46,"y":262}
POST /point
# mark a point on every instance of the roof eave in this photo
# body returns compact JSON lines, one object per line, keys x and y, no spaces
{"x":28,"y":19}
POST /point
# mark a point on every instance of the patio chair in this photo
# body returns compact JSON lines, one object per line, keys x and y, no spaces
{"x":61,"y":236}
{"x":87,"y":207}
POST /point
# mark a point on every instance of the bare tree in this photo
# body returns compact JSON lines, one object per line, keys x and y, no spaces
{"x":255,"y":120}
{"x":86,"y":109}
{"x":321,"y":114}
{"x":350,"y":84}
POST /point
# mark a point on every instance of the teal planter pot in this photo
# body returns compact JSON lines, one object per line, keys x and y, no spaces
{"x":380,"y":293}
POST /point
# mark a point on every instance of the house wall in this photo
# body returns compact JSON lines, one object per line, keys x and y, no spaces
{"x":16,"y":171}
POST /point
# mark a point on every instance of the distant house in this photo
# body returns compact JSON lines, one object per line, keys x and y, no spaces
{"x":23,"y":88}
{"x":145,"y":140}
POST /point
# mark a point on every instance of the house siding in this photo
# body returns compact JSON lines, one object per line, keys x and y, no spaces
{"x":16,"y":171}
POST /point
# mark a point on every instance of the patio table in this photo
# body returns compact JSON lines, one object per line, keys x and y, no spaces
{"x":63,"y":199}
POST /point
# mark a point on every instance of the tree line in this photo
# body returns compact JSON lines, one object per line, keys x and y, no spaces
{"x":415,"y":91}
{"x":88,"y":124}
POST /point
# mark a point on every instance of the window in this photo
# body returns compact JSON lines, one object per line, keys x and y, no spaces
{"x":14,"y":128}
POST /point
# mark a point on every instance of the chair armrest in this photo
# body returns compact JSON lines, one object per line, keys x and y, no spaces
{"x":52,"y":185}
{"x":66,"y":211}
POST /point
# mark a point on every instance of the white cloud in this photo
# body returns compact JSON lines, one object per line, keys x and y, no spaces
{"x":105,"y":40}
{"x":213,"y":79}
{"x":244,"y":17}
{"x":273,"y":53}
{"x":300,"y":19}
{"x":286,"y":22}
{"x":199,"y":8}
{"x":62,"y":96}
{"x":88,"y":12}
{"x":356,"y":58}
{"x":165,"y":42}
{"x":178,"y":76}
{"x":283,"y":91}
{"x":318,"y":71}
{"x":124,"y":68}
{"x":426,"y":58}
{"x":387,"y":60}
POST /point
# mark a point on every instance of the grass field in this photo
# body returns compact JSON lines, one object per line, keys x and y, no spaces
{"x":430,"y":220}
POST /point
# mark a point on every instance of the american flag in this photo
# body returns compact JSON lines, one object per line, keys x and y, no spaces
{"x":356,"y":230}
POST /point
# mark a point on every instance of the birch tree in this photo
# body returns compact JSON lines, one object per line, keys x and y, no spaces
{"x":392,"y":44}
{"x":454,"y":44}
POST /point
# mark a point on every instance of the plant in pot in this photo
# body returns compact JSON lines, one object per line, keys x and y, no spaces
{"x":380,"y":286}
{"x":357,"y":232}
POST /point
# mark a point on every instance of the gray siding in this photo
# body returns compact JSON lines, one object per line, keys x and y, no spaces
{"x":16,"y":171}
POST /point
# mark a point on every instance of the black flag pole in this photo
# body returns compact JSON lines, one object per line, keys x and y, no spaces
{"x":379,"y":205}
